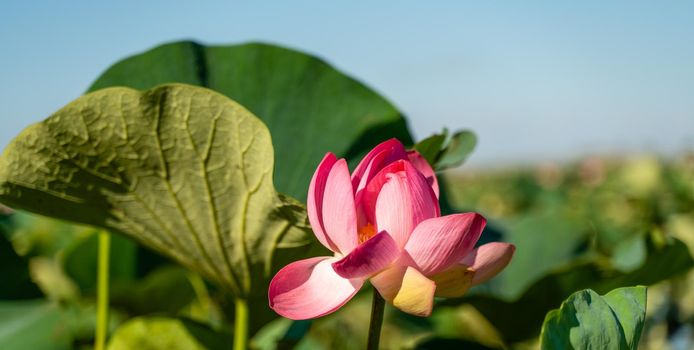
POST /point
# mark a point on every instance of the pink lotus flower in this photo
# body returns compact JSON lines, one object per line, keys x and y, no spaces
{"x":384,"y":224}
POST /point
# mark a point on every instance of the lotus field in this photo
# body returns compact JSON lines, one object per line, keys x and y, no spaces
{"x":255,"y":197}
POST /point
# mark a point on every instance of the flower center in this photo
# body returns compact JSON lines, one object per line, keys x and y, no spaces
{"x":366,"y":232}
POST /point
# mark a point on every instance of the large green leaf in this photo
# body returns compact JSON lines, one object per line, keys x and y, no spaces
{"x":587,"y":320}
{"x":184,"y":170}
{"x":165,"y":333}
{"x":309,"y":106}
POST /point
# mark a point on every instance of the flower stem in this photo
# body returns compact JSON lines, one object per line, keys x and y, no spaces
{"x":102,"y":291}
{"x":377,"y":308}
{"x":241,"y":325}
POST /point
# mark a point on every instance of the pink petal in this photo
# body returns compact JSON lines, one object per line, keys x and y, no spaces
{"x":407,"y":289}
{"x":339,"y":211}
{"x":379,"y":157}
{"x":438,"y":243}
{"x":314,"y":202}
{"x":425,"y":168}
{"x":488,"y":260}
{"x":330,"y":205}
{"x":369,"y":258}
{"x":310,"y":288}
{"x":405,"y":200}
{"x":366,"y":198}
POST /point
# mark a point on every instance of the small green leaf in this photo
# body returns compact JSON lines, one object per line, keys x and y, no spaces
{"x":587,"y":320}
{"x":457,"y":150}
{"x":181,"y":169}
{"x":430,"y":147}
{"x":166,"y":333}
{"x":443,"y":152}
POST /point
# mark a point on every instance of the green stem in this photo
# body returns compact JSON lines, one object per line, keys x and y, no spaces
{"x":241,"y":325}
{"x":377,"y":308}
{"x":102,"y":291}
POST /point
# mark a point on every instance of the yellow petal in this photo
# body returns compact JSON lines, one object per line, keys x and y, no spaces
{"x":454,"y":282}
{"x":416,"y":294}
{"x":407,"y":289}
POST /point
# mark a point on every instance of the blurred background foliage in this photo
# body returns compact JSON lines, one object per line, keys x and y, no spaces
{"x":600,"y":223}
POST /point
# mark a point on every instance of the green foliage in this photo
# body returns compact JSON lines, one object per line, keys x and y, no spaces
{"x":165,"y":290}
{"x":34,"y":324}
{"x":34,"y":235}
{"x":445,"y":152}
{"x":167,"y":333}
{"x":554,"y":287}
{"x":430,"y":147}
{"x":183,"y":170}
{"x":458,"y":148}
{"x":122,"y":264}
{"x":309,"y":106}
{"x":437,"y":343}
{"x":577,"y":226}
{"x":14,"y":269}
{"x":281,"y":334}
{"x":533,"y":234}
{"x":587,"y":320}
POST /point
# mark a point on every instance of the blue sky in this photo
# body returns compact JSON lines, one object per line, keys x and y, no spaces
{"x":537,"y":80}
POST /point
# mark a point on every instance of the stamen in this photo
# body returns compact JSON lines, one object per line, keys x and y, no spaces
{"x":366,"y":232}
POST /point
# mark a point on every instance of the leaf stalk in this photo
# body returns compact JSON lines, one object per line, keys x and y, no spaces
{"x":102,"y":291}
{"x":241,"y":325}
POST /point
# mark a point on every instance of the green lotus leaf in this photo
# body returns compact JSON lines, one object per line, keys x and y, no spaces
{"x":310,"y":107}
{"x":183,"y":170}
